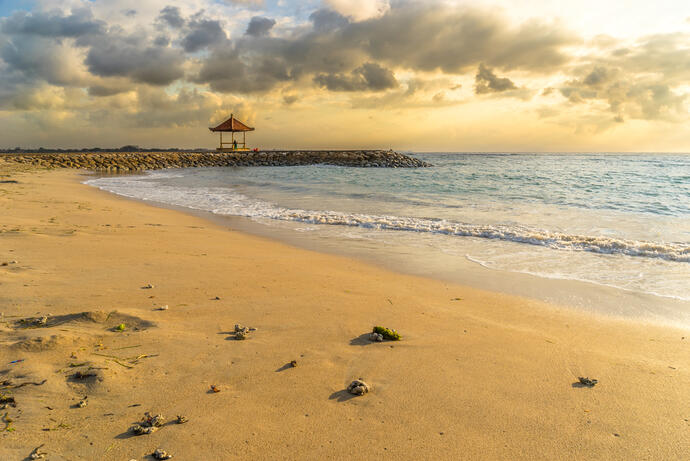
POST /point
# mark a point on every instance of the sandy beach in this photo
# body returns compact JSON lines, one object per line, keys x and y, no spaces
{"x":477,"y":375}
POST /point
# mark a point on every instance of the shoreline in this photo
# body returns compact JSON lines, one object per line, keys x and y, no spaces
{"x":478,"y":374}
{"x":578,"y":296}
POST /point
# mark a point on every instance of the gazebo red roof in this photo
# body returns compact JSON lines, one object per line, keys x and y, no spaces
{"x":232,"y":124}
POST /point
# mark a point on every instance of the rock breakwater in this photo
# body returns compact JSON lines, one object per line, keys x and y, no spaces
{"x":118,"y":162}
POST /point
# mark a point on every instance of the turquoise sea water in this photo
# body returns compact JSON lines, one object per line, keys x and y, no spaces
{"x":617,"y":220}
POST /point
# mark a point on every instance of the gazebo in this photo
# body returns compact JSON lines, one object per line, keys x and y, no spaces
{"x":232,"y":125}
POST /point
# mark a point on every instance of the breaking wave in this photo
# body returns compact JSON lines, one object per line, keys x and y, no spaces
{"x":225,"y":201}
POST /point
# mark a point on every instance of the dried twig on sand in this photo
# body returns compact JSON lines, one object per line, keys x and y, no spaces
{"x":37,"y":453}
{"x":9,"y":385}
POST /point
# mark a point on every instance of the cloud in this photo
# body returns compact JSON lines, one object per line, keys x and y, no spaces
{"x":665,"y":54}
{"x":486,"y":81}
{"x":225,"y":71}
{"x":171,"y":16}
{"x":37,"y":58}
{"x":246,"y":3}
{"x":637,"y":97}
{"x":412,"y":93}
{"x":53,"y":24}
{"x":360,"y":10}
{"x":328,"y":51}
{"x":642,"y":80}
{"x":188,"y":107}
{"x":119,"y":55}
{"x":290,"y":99}
{"x":434,"y":36}
{"x":417,"y":37}
{"x":106,"y":90}
{"x":198,"y":32}
{"x":324,"y":20}
{"x":597,"y":76}
{"x":203,"y":33}
{"x":259,"y":26}
{"x":161,"y":41}
{"x":369,"y":76}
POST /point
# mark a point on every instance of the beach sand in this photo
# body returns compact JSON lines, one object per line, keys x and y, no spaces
{"x":478,"y":375}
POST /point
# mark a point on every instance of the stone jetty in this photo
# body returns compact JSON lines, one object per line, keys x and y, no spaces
{"x":118,"y":162}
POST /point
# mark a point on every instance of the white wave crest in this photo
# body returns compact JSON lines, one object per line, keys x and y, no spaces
{"x":228,"y":202}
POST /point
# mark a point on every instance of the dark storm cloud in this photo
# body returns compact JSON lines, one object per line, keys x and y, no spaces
{"x":486,"y":81}
{"x":120,"y":55}
{"x":203,"y":33}
{"x":418,"y":37}
{"x":171,"y":16}
{"x":101,"y":90}
{"x":11,"y":83}
{"x":328,"y":52}
{"x":34,"y":58}
{"x":259,"y":26}
{"x":433,"y":36}
{"x":227,"y":72}
{"x":325,"y":20}
{"x":161,"y":41}
{"x":369,"y":76}
{"x":54,"y":24}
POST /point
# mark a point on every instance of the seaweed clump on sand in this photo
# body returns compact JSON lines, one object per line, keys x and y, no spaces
{"x":7,"y":400}
{"x":387,"y":333}
{"x":587,"y":381}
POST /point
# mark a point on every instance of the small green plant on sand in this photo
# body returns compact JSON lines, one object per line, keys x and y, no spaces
{"x":121,"y":327}
{"x":8,"y":423}
{"x":387,"y":333}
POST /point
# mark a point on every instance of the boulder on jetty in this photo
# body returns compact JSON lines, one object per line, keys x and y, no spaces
{"x":120,"y":162}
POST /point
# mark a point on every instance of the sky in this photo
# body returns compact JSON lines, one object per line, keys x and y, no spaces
{"x":432,"y":75}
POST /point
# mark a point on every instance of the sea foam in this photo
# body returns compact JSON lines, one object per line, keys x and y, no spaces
{"x":226,"y":201}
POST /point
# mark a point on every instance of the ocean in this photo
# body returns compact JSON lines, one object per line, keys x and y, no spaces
{"x":616,"y":225}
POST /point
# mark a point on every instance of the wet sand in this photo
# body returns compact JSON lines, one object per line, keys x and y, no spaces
{"x":478,"y":375}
